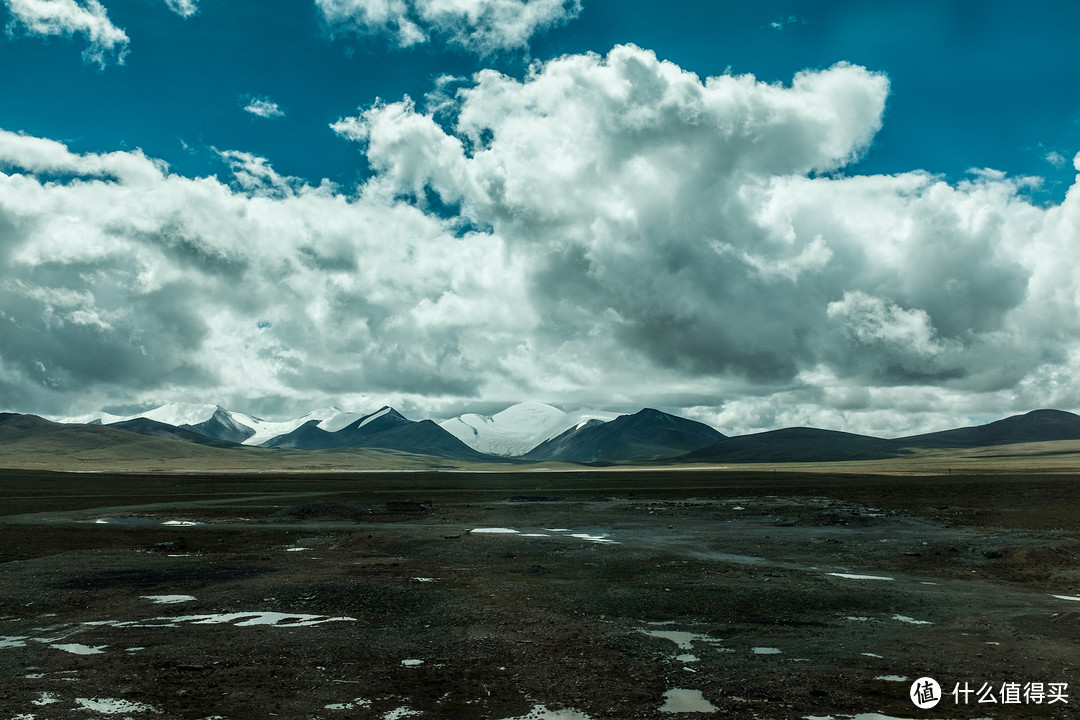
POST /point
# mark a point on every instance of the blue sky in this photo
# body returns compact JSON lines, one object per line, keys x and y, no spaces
{"x":754,"y":214}
{"x":974,"y":84}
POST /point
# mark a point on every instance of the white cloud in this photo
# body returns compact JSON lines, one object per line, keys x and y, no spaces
{"x":262,"y":107}
{"x":1056,"y":159}
{"x":612,"y":231}
{"x":481,"y":26}
{"x":183,"y":8}
{"x":106,"y":42}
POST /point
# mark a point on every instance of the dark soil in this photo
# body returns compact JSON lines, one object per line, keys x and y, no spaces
{"x":504,"y":623}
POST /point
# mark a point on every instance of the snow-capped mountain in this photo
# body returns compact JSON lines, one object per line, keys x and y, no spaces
{"x":519,"y":428}
{"x":217,"y":422}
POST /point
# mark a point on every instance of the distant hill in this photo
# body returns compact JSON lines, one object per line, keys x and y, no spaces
{"x":30,"y":436}
{"x":646,"y":435}
{"x":795,"y":445}
{"x":153,"y":428}
{"x":1035,"y":426}
{"x":386,"y":429}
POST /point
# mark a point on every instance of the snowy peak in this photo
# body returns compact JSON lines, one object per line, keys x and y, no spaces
{"x":519,"y":428}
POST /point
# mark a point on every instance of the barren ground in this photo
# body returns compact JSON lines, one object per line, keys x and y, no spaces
{"x":306,"y":597}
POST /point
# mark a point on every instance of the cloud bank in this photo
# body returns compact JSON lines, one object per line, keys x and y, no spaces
{"x":105,"y":42}
{"x":479,"y":26}
{"x":608,"y":230}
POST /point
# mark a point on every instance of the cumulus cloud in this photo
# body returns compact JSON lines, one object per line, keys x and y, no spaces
{"x":480,"y":26}
{"x":183,"y":8}
{"x":106,"y":42}
{"x":608,"y":230}
{"x":262,"y":107}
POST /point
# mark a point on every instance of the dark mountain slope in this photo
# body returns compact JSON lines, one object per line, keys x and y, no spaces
{"x":795,"y":445}
{"x":645,"y":435}
{"x":153,"y":428}
{"x":1035,"y":426}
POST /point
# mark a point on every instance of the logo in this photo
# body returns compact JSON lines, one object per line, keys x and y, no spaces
{"x":925,"y":693}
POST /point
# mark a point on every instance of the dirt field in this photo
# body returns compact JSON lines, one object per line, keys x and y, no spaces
{"x":770,"y":594}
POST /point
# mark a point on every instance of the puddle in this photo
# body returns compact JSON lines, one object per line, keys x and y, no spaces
{"x":278,"y":619}
{"x":765,"y":651}
{"x":880,"y":657}
{"x":400,"y":713}
{"x":77,"y":649}
{"x":849,"y":576}
{"x":1066,"y":597}
{"x":557,"y":529}
{"x":496,"y":531}
{"x":687,"y":657}
{"x":296,"y":549}
{"x":350,"y":705}
{"x":168,"y":599}
{"x":535,"y":535}
{"x":911,"y":621}
{"x":146,"y":521}
{"x":237,"y":619}
{"x":678,"y":700}
{"x":540,"y":712}
{"x":683,"y":640}
{"x":412,"y":663}
{"x":594,"y":538}
{"x":112,"y":706}
{"x":923,"y":582}
{"x":12,"y":641}
{"x":856,"y":618}
{"x":892,"y":678}
{"x":46,"y":698}
{"x":424,"y":579}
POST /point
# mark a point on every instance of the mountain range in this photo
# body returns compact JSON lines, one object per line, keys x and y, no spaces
{"x":524,"y":433}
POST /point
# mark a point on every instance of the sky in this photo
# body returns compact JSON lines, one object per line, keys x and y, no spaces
{"x":856,"y":216}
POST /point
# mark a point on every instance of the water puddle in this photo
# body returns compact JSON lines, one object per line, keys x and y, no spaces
{"x":849,"y":576}
{"x":765,"y":651}
{"x":540,"y":712}
{"x":350,"y":705}
{"x":879,"y":657}
{"x":146,"y":521}
{"x":12,"y":641}
{"x":1066,"y":597}
{"x":412,"y":663}
{"x":296,"y":549}
{"x":168,"y":599}
{"x":46,"y":698}
{"x":683,"y":640}
{"x":77,"y":649}
{"x":424,"y":579}
{"x":678,"y":700}
{"x":892,"y":678}
{"x":687,"y":658}
{"x":911,"y":621}
{"x":400,"y":712}
{"x":112,"y":706}
{"x":236,"y":619}
{"x":247,"y":619}
{"x":602,"y":538}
